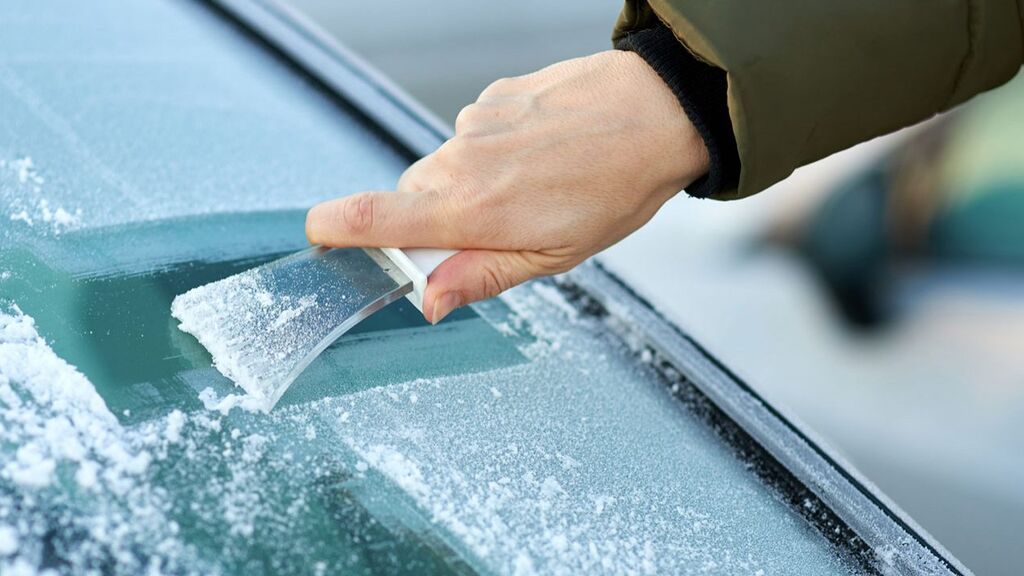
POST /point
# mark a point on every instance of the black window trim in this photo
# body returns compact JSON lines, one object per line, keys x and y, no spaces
{"x":851,"y":497}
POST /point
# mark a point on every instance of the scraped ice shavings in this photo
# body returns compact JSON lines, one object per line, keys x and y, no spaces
{"x":139,"y":490}
{"x":265,"y":325}
{"x":70,"y":450}
{"x":8,"y":540}
{"x":224,"y":405}
{"x":26,"y":361}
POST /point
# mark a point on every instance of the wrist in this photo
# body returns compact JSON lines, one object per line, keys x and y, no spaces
{"x":677,"y":151}
{"x":701,"y":91}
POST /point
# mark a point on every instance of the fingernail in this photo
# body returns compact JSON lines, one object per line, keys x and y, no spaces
{"x":313,"y":224}
{"x":444,"y":305}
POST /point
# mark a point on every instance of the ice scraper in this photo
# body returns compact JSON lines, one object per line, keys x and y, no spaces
{"x":264,"y":326}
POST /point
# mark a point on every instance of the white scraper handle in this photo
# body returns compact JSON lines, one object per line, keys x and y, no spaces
{"x":418,"y":263}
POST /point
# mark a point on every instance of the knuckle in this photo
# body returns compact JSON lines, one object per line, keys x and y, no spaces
{"x":499,"y":86}
{"x":465,"y":119}
{"x":479,"y":120}
{"x":357,"y":213}
{"x":409,"y":182}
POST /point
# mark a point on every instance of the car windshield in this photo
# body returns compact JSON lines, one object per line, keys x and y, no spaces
{"x":150,"y":147}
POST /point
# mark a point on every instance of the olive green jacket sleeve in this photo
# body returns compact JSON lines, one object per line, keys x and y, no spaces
{"x":807,"y":78}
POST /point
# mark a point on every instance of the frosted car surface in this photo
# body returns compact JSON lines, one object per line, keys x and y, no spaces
{"x":150,"y":147}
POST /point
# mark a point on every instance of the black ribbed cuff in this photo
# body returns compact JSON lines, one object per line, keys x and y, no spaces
{"x":702,"y":92}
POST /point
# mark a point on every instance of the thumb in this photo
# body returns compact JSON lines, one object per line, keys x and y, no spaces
{"x":473,"y":275}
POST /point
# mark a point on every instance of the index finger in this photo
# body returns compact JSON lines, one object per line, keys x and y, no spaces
{"x":378,"y":218}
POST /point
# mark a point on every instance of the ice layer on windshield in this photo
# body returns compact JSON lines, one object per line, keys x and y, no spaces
{"x":116,"y":113}
{"x":578,"y":461}
{"x":574,"y":461}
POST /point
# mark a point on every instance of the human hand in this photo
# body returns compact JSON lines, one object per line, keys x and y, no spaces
{"x":544,"y":171}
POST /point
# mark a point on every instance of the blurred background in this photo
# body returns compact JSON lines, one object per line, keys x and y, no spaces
{"x":877,"y":296}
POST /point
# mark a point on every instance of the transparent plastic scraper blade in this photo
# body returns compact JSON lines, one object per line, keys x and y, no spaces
{"x":264,"y":326}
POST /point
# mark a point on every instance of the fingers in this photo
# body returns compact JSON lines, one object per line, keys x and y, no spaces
{"x":379,"y":219}
{"x":473,"y":275}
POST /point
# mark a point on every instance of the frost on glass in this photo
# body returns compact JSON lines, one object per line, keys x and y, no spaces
{"x":118,"y":112}
{"x":577,"y":460}
{"x":147,"y":149}
{"x":265,"y":325}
